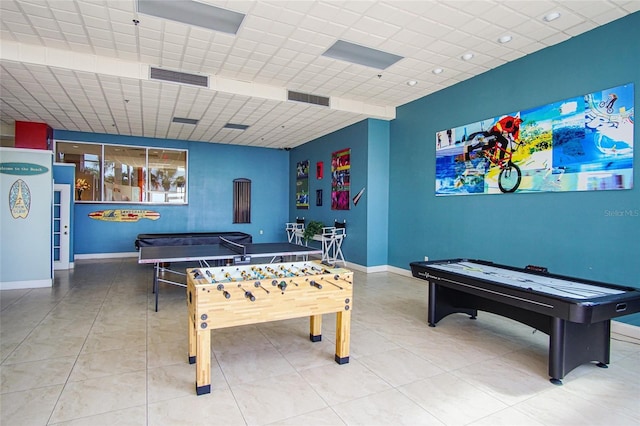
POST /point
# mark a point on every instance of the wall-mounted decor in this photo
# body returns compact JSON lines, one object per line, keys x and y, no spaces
{"x":319,"y":170}
{"x":340,"y":179}
{"x":318,"y":197}
{"x":356,"y":199}
{"x":119,"y":215}
{"x":302,"y":184}
{"x":19,"y":199}
{"x":583,"y":143}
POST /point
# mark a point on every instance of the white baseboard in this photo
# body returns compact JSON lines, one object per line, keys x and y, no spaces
{"x":625,"y":329}
{"x":21,"y":285}
{"x":104,"y":255}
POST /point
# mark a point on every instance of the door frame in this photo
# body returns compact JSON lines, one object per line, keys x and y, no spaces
{"x":65,"y":227}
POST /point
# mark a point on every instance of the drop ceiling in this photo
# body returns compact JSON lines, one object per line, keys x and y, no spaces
{"x":84,"y":65}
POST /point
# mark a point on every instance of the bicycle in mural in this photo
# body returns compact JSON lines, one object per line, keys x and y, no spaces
{"x":497,"y":147}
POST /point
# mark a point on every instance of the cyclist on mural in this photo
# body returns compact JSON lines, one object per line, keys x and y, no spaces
{"x":506,"y":130}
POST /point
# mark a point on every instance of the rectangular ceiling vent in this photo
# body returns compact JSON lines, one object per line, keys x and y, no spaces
{"x":179,"y":77}
{"x":183,"y":120}
{"x":307,"y":98}
{"x":234,"y":126}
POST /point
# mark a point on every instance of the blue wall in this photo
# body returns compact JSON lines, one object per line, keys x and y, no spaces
{"x":212,"y":168}
{"x":354,"y":137}
{"x":377,"y":193}
{"x":570,"y":233}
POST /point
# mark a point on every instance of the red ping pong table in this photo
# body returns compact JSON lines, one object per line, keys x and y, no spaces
{"x":227,"y":252}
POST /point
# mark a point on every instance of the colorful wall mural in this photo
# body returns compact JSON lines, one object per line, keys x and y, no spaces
{"x":580,"y":144}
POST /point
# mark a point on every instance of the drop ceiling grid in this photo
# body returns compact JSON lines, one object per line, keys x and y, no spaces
{"x":287,"y":55}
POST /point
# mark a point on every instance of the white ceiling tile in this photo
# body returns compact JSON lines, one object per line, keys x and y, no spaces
{"x":279,"y":44}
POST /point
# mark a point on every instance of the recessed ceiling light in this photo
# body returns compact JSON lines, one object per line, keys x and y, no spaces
{"x":411,"y":83}
{"x":437,"y":71}
{"x":467,"y":56}
{"x":551,"y":16}
{"x":505,"y":39}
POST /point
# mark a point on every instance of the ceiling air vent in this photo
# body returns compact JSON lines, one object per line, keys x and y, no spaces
{"x":307,"y":98}
{"x":234,"y":126}
{"x":182,"y":120}
{"x":179,"y":77}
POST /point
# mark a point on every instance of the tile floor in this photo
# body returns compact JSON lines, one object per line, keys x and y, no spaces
{"x":91,"y":351}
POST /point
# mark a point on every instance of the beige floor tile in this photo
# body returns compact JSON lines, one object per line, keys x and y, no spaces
{"x":562,"y":407}
{"x":107,"y":363}
{"x":385,"y":408}
{"x":99,"y":396}
{"x":323,"y":417}
{"x":40,"y":347}
{"x":217,"y":408}
{"x":508,"y":417}
{"x":506,"y":381}
{"x":367,"y":342}
{"x":339,"y":383}
{"x":36,"y":374}
{"x":276,"y":398}
{"x":134,"y":416}
{"x":399,"y":366}
{"x":249,"y":366}
{"x":29,"y":407}
{"x":452,"y":400}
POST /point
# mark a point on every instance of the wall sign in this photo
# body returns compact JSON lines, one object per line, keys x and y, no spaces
{"x":583,"y":143}
{"x":24,"y":169}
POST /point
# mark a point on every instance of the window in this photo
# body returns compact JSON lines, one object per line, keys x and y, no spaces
{"x":121,"y":173}
{"x":241,"y":201}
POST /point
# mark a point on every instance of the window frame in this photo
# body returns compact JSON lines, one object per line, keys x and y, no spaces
{"x":146,"y":170}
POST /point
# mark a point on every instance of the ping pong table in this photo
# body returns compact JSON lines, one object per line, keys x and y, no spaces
{"x":226,"y":252}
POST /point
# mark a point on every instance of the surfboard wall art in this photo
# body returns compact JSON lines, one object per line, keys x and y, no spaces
{"x":583,"y":143}
{"x":124,"y":215}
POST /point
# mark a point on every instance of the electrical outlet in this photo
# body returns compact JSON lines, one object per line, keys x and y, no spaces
{"x":261,"y":232}
{"x":426,"y":258}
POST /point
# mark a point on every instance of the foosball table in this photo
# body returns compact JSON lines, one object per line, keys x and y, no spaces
{"x":236,"y":295}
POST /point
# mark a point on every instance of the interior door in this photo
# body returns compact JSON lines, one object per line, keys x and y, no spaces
{"x":61,"y":224}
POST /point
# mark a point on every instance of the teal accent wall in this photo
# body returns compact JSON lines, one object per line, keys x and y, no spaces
{"x":369,"y":144}
{"x":377,"y":193}
{"x":212,"y":168}
{"x":571,"y":233}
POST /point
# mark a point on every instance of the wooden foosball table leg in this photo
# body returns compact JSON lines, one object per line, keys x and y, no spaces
{"x":343,"y":325}
{"x":192,"y":340}
{"x":203,"y":362}
{"x":315,"y":328}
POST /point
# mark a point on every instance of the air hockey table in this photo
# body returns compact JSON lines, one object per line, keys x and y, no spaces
{"x":575,"y":313}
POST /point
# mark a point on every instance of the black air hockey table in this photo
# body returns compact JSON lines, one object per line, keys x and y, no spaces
{"x":575,"y":313}
{"x":227,"y":252}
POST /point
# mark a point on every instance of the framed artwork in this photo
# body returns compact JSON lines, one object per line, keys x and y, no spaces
{"x":584,"y":143}
{"x":340,"y":179}
{"x":318,"y":197}
{"x":302,"y":185}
